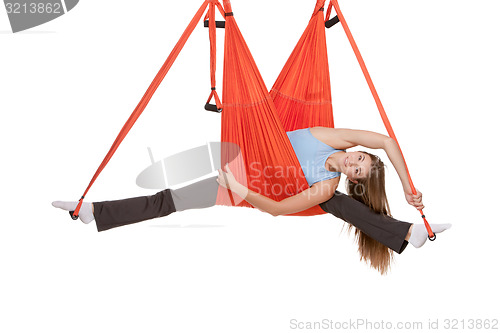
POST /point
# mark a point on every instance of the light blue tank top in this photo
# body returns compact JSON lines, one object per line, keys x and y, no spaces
{"x":312,"y":155}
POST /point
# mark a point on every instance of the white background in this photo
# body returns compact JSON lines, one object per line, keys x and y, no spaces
{"x":67,"y":87}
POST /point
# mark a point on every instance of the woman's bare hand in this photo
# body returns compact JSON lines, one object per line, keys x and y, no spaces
{"x":415,"y":200}
{"x":227,"y":179}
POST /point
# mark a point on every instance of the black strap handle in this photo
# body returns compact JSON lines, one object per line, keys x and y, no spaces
{"x":331,"y":22}
{"x":218,"y":24}
{"x":212,"y":107}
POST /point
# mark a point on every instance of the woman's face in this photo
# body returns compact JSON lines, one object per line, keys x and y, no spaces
{"x":356,"y":165}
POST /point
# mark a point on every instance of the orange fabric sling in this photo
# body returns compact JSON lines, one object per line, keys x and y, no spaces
{"x":267,"y":163}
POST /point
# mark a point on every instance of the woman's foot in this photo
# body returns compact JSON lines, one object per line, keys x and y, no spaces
{"x":419,"y":233}
{"x":86,"y":214}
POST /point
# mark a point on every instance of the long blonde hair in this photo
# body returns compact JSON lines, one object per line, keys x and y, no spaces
{"x":371,"y":192}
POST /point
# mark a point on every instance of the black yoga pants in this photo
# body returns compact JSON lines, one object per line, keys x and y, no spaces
{"x":203,"y":194}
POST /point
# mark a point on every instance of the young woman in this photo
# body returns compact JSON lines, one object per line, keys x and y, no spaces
{"x":366,"y":207}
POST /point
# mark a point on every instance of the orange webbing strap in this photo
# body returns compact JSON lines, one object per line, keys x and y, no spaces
{"x":328,"y":11}
{"x":379,"y":103}
{"x":213,"y":54}
{"x":145,"y":99}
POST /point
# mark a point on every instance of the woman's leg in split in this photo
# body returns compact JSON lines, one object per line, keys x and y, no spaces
{"x":117,"y":213}
{"x":112,"y":214}
{"x":392,"y":233}
{"x":388,"y":231}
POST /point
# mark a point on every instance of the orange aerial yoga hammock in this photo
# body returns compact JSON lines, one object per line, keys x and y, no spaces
{"x":267,"y":163}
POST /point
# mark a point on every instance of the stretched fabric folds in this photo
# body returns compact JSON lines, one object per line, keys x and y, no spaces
{"x":302,"y":92}
{"x":268,"y":164}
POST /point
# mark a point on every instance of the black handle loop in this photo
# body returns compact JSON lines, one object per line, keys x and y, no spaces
{"x":331,"y":22}
{"x":72,"y":216}
{"x":433,"y":238}
{"x":212,"y":107}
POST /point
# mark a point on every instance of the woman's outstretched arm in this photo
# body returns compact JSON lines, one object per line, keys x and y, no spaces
{"x":394,"y":154}
{"x":347,"y":138}
{"x":316,"y":194}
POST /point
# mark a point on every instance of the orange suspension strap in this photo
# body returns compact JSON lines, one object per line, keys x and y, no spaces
{"x":330,"y":22}
{"x":387,"y":124}
{"x":212,"y":25}
{"x":145,"y":99}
